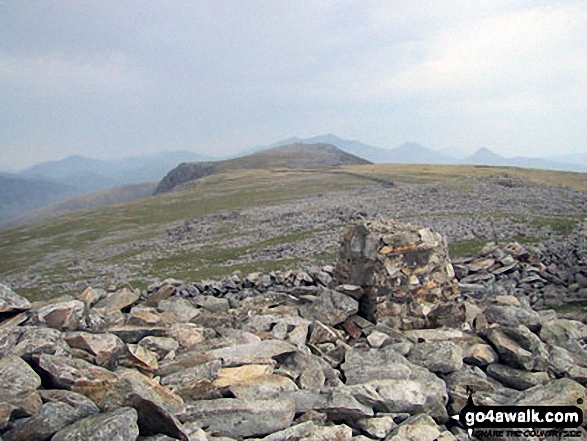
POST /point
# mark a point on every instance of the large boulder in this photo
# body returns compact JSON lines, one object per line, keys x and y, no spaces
{"x":12,"y":302}
{"x":405,"y":272}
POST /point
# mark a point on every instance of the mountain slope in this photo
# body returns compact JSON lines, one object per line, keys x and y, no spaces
{"x":109,"y":196}
{"x":293,"y":156}
{"x":18,"y":196}
{"x":484,"y":156}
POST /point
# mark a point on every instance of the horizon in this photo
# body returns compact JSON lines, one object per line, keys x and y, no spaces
{"x":249,"y":150}
{"x":124,"y":79}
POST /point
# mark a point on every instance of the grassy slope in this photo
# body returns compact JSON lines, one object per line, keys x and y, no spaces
{"x":22,"y":248}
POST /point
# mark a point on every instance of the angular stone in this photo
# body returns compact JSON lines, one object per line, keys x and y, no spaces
{"x":516,"y":378}
{"x":243,"y":374}
{"x":17,"y":378}
{"x":118,"y":425}
{"x":77,"y":375}
{"x":195,"y":382}
{"x":52,"y":417}
{"x":442,"y":357}
{"x":265,"y":387}
{"x":416,"y":428}
{"x":91,"y":296}
{"x":156,"y":406}
{"x":161,"y":294}
{"x":12,"y":302}
{"x":519,"y":347}
{"x":180,"y":308}
{"x":241,"y":418}
{"x":479,"y":354}
{"x":159,"y":345}
{"x":211,"y":303}
{"x":563,"y":392}
{"x":330,"y":433}
{"x":330,"y":307}
{"x":141,"y":358}
{"x":568,"y":334}
{"x":565,"y":363}
{"x":378,"y":339}
{"x":64,"y":316}
{"x":116,"y":301}
{"x":378,"y":427}
{"x":252,"y":353}
{"x":134,"y":334}
{"x":361,"y":366}
{"x":26,"y":341}
{"x":83,"y":406}
{"x":293,"y":433}
{"x":186,"y":334}
{"x":513,"y":316}
{"x":105,"y":347}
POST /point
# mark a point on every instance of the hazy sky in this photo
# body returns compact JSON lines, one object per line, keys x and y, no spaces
{"x":118,"y":77}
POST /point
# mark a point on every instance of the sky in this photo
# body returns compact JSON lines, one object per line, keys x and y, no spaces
{"x":113,"y":78}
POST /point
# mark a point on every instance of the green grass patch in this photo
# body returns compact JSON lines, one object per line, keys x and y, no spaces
{"x":466,"y":248}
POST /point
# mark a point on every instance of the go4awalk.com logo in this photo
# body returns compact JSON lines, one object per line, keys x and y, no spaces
{"x":520,"y":421}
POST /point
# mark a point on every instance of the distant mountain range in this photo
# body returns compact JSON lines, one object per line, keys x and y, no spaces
{"x":414,"y":153}
{"x":75,"y":176}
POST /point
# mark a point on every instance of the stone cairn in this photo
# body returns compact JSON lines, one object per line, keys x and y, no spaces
{"x":406,"y":276}
{"x":382,"y":348}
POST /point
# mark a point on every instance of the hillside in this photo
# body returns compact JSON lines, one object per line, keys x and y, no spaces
{"x":292,"y":156}
{"x":261,"y":220}
{"x":109,"y":196}
{"x":18,"y":196}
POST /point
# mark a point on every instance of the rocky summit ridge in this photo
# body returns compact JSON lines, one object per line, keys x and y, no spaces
{"x":291,"y":156}
{"x":385,"y":345}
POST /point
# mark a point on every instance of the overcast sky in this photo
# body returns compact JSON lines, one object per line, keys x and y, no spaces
{"x":107,"y":78}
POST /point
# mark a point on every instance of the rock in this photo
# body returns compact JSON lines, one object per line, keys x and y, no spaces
{"x":91,"y":296}
{"x":378,"y":427}
{"x":264,"y":387}
{"x":26,"y":341}
{"x":516,"y":378}
{"x":118,"y":425}
{"x":405,"y":273}
{"x":241,"y":418}
{"x":568,"y":334}
{"x":330,"y":433}
{"x":195,"y":382}
{"x":186,"y":334}
{"x":17,"y":378}
{"x":141,"y":358}
{"x":76,"y":375}
{"x":161,"y":346}
{"x":356,"y":292}
{"x":252,"y":353}
{"x":82,"y":405}
{"x":180,"y":308}
{"x":12,"y":302}
{"x":52,"y":417}
{"x":513,"y":316}
{"x":330,"y":307}
{"x":105,"y":347}
{"x":134,"y":334}
{"x":565,"y":363}
{"x":441,"y":357}
{"x":563,"y":392}
{"x":161,"y":294}
{"x":293,"y":433}
{"x":479,"y":354}
{"x":64,"y":316}
{"x":211,"y":303}
{"x":519,"y":348}
{"x":242,"y":374}
{"x":378,"y":339}
{"x":416,"y":428}
{"x":116,"y":301}
{"x":156,"y":406}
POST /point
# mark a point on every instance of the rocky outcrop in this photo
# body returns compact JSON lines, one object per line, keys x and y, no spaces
{"x":296,"y":356}
{"x":183,"y":173}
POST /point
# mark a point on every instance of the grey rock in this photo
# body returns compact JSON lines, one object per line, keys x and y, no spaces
{"x":479,"y":354}
{"x":293,"y":433}
{"x":118,"y":425}
{"x":116,"y":301}
{"x":17,"y":378}
{"x":12,"y":302}
{"x":82,"y":405}
{"x":519,"y":347}
{"x":378,"y":427}
{"x":416,"y":428}
{"x":330,"y":307}
{"x":516,"y":378}
{"x":565,"y":363}
{"x":330,"y":433}
{"x":105,"y":347}
{"x":508,"y":315}
{"x":241,"y":418}
{"x":159,"y":345}
{"x":568,"y":334}
{"x":26,"y":341}
{"x":251,"y":353}
{"x":64,"y":316}
{"x":441,"y":357}
{"x":52,"y":417}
